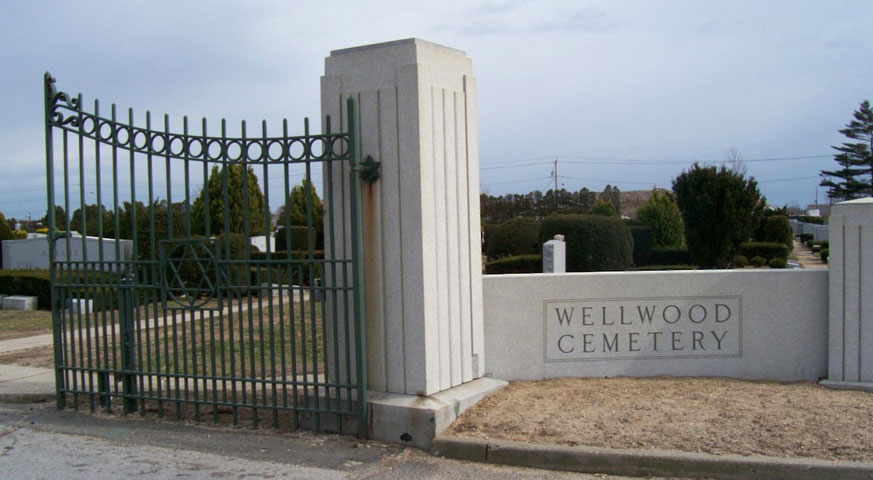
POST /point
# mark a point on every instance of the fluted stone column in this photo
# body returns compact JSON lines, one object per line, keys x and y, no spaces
{"x":850,"y":318}
{"x":417,"y":116}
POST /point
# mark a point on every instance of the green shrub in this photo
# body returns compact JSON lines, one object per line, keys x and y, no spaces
{"x":603,"y":207}
{"x":515,"y":264}
{"x":825,"y":253}
{"x":758,"y":262}
{"x":740,"y":261}
{"x":670,"y":256}
{"x":718,"y":208}
{"x":815,"y":220}
{"x":823,"y":244}
{"x":816,"y":247}
{"x":37,"y":283}
{"x":296,"y":274}
{"x":662,"y":214}
{"x":299,"y":238}
{"x":594,"y":243}
{"x":805,"y":238}
{"x":764,"y":249}
{"x":519,"y":236}
{"x":643,"y":243}
{"x":778,"y":263}
{"x":775,"y":229}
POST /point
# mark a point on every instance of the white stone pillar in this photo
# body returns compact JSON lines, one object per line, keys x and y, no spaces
{"x":850,"y":330}
{"x":417,"y":116}
{"x":555,"y":256}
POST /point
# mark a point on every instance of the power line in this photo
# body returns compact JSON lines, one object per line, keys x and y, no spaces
{"x":581,"y":160}
{"x":517,"y":181}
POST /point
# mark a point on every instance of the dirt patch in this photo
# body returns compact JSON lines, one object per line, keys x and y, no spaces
{"x":717,"y":416}
{"x":37,"y":357}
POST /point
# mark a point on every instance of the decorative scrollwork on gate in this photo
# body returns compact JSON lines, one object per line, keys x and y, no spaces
{"x":66,"y":112}
{"x":58,"y":101}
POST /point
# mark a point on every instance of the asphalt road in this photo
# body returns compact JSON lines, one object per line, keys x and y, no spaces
{"x":38,"y":441}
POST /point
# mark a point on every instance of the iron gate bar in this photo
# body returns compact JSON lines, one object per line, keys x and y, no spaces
{"x":173,"y":355}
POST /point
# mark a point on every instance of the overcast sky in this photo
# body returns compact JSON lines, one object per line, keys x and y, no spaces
{"x":621,"y":92}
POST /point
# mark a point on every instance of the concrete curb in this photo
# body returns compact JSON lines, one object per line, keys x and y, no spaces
{"x":640,"y":463}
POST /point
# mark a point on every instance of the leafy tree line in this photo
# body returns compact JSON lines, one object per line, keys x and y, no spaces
{"x":711,"y":211}
{"x":217,"y":210}
{"x":503,"y":208}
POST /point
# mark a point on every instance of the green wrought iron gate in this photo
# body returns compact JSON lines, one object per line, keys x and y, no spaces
{"x":160,"y":301}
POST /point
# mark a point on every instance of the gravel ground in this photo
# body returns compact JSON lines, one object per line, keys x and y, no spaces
{"x":709,"y":415}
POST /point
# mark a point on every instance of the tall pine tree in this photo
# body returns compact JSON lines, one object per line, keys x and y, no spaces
{"x":854,"y":178}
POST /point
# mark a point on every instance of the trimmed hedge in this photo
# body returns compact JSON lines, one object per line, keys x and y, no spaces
{"x":778,"y":263}
{"x":775,"y":229}
{"x":519,"y":236}
{"x":643,"y":236}
{"x":805,"y":238}
{"x":291,"y":274}
{"x":649,"y":268}
{"x":28,"y":282}
{"x":670,"y":256}
{"x":824,"y":254}
{"x":515,"y":264}
{"x":758,"y":261}
{"x":740,"y":261}
{"x":767,"y":250}
{"x":38,"y":283}
{"x":594,"y":243}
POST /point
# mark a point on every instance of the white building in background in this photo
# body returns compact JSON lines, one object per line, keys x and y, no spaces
{"x":32,"y":252}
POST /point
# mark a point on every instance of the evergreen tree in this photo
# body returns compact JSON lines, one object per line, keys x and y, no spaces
{"x":296,"y":207}
{"x":854,"y":178}
{"x":719,"y":208}
{"x":661,"y":213}
{"x":604,"y":208}
{"x":613,"y":195}
{"x":5,"y":229}
{"x":235,"y":207}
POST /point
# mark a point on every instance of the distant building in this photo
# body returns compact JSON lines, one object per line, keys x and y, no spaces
{"x":822,"y":210}
{"x":32,"y":252}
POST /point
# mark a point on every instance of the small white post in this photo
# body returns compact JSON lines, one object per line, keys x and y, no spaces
{"x":555,"y":255}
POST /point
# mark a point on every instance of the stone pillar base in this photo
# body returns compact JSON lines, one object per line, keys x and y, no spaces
{"x":413,"y":420}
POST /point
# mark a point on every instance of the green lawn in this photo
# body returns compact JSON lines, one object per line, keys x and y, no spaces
{"x":20,"y":323}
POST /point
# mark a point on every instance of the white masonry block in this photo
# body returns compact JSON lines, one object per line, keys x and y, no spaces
{"x":555,"y":256}
{"x":19,"y":302}
{"x":850,"y":305}
{"x":80,"y":305}
{"x":417,"y":116}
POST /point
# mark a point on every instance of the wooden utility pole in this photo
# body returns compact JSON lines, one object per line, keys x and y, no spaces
{"x":556,"y":184}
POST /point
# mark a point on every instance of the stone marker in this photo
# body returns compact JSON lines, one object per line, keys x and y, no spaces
{"x":555,"y":255}
{"x":81,"y":305}
{"x":19,"y":302}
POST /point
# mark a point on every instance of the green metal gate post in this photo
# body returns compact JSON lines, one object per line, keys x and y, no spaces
{"x":357,"y":271}
{"x":128,"y":344}
{"x":50,"y":93}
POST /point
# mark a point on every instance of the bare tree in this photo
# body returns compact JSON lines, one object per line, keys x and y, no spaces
{"x":733,"y":160}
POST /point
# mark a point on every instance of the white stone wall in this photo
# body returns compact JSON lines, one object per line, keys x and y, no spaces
{"x":751,"y":324}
